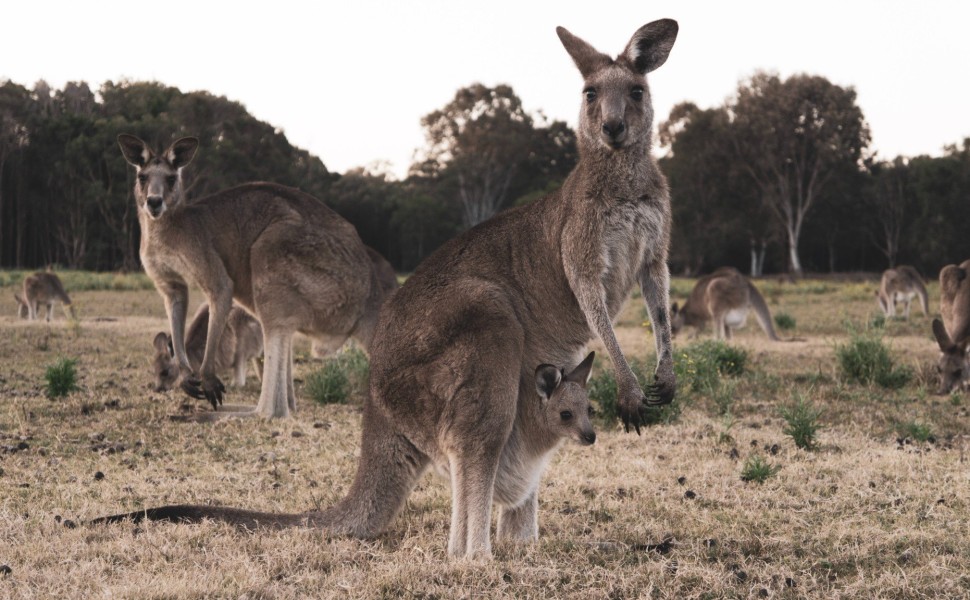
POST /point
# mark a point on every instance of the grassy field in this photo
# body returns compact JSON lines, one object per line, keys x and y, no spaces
{"x":878,"y":508}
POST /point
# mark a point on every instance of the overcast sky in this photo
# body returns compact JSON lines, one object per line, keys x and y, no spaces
{"x":350,"y":80}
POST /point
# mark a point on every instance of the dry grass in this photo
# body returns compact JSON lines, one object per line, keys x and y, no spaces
{"x":862,"y":516}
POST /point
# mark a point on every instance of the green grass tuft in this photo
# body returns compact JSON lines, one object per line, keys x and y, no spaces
{"x":784,"y":321}
{"x":915,"y":430}
{"x":802,"y":423}
{"x":61,"y":378}
{"x":758,"y":469}
{"x":340,"y":379}
{"x":865,"y":359}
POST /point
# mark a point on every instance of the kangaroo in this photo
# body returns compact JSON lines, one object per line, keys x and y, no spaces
{"x":901,"y":284}
{"x":453,"y":374}
{"x":43,"y":289}
{"x":559,"y":411}
{"x":726,"y":296}
{"x":386,"y":279}
{"x":23,"y":311}
{"x":242,"y":341}
{"x":281,"y":254}
{"x":953,"y":332}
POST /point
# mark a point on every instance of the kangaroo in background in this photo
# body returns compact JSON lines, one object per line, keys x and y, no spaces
{"x":901,"y":284}
{"x":281,"y":254}
{"x":953,"y":332}
{"x":453,"y":376}
{"x":42,"y":288}
{"x":241,"y":342}
{"x":725,"y":296}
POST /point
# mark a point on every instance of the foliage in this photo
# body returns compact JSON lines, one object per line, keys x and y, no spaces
{"x":603,"y":394}
{"x":916,"y":430}
{"x":784,"y":321}
{"x":61,"y":378}
{"x":802,"y":424}
{"x":340,"y":379}
{"x":757,"y":469}
{"x":865,"y":359}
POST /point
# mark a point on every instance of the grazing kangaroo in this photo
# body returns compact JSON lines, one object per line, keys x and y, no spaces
{"x":42,"y":289}
{"x":725,"y":296}
{"x":953,"y":332}
{"x":901,"y":284}
{"x":241,"y":342}
{"x":281,"y":254}
{"x":560,"y":411}
{"x":453,"y":376}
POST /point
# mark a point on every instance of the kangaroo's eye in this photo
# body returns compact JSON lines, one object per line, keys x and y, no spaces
{"x":142,"y":178}
{"x":591,"y":411}
{"x":566,"y":415}
{"x":590,"y":94}
{"x":637,"y":93}
{"x":171,"y":179}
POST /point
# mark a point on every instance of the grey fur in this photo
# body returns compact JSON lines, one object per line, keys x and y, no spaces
{"x":42,"y":289}
{"x":953,"y":332}
{"x":901,"y":284}
{"x":724,"y":297}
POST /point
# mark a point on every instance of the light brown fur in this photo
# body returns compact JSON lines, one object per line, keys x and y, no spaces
{"x":241,"y":342}
{"x":953,"y":332}
{"x":453,"y":363}
{"x":724,"y":297}
{"x":901,"y":284}
{"x":42,"y":289}
{"x":281,"y":254}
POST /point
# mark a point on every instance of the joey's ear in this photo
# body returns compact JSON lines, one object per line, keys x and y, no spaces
{"x":942,"y":337}
{"x":950,"y":278}
{"x":548,"y":378}
{"x":182,"y":151}
{"x":587,"y":58}
{"x":161,"y":342}
{"x":135,"y":151}
{"x":651,"y":44}
{"x":582,"y":371}
{"x":674,"y":309}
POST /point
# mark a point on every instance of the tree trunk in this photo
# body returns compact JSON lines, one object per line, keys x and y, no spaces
{"x":794,"y":263}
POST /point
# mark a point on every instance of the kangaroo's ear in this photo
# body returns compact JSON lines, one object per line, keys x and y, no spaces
{"x":651,"y":44}
{"x":674,"y":309}
{"x":135,"y":151}
{"x":587,"y":58}
{"x":950,"y":278}
{"x":942,"y":337}
{"x":182,"y":151}
{"x":548,"y":378}
{"x":162,"y":342}
{"x":582,"y":371}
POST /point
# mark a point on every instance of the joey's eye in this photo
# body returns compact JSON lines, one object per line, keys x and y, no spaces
{"x":142,"y":178}
{"x":637,"y":93}
{"x":590,"y":94}
{"x":566,"y":415}
{"x":939,"y":369}
{"x":171,"y":179}
{"x":164,"y":373}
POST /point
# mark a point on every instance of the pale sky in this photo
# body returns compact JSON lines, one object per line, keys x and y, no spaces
{"x":350,"y":80}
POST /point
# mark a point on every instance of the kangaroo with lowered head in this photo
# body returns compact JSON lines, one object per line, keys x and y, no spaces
{"x":724,"y":297}
{"x":453,"y":362}
{"x":281,"y":254}
{"x":901,"y":284}
{"x":241,"y":342}
{"x":42,"y":289}
{"x":953,"y":332}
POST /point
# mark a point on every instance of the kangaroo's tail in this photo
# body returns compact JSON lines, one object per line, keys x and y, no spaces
{"x":192,"y":513}
{"x":761,"y":311}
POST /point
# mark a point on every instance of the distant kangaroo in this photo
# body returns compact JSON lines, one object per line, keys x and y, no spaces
{"x":901,"y":284}
{"x":241,"y":342}
{"x":953,"y":332}
{"x":282,"y":254}
{"x":42,"y":288}
{"x":725,"y":296}
{"x":453,"y":361}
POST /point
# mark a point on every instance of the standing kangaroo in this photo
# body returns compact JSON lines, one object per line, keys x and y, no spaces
{"x":42,"y":289}
{"x":280,"y":253}
{"x":453,"y":376}
{"x":953,"y":332}
{"x":725,"y":296}
{"x":241,"y":342}
{"x":901,"y":284}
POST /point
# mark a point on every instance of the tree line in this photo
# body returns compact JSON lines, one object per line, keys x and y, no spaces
{"x":778,"y":178}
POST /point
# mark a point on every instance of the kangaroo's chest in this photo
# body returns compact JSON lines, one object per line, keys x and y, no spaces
{"x":632,"y":233}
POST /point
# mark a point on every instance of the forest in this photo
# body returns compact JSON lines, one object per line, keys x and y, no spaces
{"x":780,"y":178}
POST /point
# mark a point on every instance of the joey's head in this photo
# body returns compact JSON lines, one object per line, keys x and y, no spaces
{"x":164,"y":365}
{"x":158,"y":184}
{"x":954,"y":363}
{"x":565,"y":401}
{"x":617,"y":112}
{"x":676,"y":319}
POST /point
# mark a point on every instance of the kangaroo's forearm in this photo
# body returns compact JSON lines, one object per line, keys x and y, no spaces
{"x":655,"y":287}
{"x":220,"y":304}
{"x":592,"y":301}
{"x":176,"y":304}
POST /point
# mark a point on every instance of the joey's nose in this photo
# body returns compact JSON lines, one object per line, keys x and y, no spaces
{"x":589,"y":437}
{"x":614,"y":128}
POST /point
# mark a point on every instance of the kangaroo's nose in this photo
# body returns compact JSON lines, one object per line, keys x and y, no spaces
{"x":154,"y":203}
{"x":614,"y":128}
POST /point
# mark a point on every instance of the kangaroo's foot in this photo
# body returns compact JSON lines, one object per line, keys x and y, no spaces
{"x":230,"y":411}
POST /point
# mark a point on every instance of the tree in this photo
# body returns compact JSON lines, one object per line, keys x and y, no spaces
{"x":790,"y":137}
{"x":13,"y":136}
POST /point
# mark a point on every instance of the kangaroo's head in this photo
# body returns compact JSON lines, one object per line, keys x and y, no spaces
{"x":22,"y":311}
{"x":617,"y":112}
{"x":164,"y":365}
{"x":565,"y":401}
{"x":158,"y":185}
{"x":954,"y":363}
{"x":676,"y":319}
